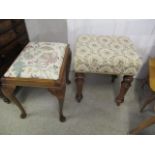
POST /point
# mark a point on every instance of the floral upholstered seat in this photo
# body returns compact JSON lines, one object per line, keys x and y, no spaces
{"x":106,"y":55}
{"x":41,"y":60}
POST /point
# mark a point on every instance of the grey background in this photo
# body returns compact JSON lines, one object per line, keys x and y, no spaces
{"x":47,"y":30}
{"x":57,"y":30}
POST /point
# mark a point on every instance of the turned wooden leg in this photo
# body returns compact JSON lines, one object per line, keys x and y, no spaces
{"x":68,"y":67}
{"x":148,"y":122}
{"x":125,"y":85}
{"x":147,"y":102}
{"x":79,"y":79}
{"x":113,"y":78}
{"x":8,"y":92}
{"x":60,"y":94}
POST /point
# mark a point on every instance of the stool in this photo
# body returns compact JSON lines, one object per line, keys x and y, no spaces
{"x":114,"y":55}
{"x":40,"y":64}
{"x":151,"y":120}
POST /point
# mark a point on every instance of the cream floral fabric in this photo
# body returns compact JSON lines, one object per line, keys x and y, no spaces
{"x":41,"y":60}
{"x":106,"y":55}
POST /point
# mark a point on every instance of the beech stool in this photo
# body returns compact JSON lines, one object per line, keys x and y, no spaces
{"x":114,"y":55}
{"x":151,"y":120}
{"x":40,"y":64}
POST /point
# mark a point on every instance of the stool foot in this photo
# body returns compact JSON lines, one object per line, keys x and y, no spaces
{"x":119,"y":101}
{"x":79,"y":97}
{"x":60,"y":94}
{"x":23,"y":115}
{"x":62,"y":118}
{"x":6,"y":100}
{"x":125,"y":85}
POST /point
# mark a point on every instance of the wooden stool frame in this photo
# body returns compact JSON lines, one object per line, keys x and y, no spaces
{"x":125,"y":85}
{"x":56,"y":87}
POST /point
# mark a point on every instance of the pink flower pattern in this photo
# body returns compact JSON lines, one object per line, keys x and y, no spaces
{"x":41,"y":60}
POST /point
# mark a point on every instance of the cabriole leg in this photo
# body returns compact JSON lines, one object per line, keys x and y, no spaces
{"x":8,"y":92}
{"x":60,"y":94}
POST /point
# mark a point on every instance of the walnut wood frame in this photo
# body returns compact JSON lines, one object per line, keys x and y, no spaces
{"x":56,"y":87}
{"x":125,"y":85}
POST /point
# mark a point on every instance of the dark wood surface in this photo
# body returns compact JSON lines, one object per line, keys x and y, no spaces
{"x":56,"y":87}
{"x":13,"y":38}
{"x":125,"y":85}
{"x":79,"y":80}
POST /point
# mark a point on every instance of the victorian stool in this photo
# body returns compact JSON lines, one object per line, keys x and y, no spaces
{"x":40,"y":64}
{"x":150,"y":121}
{"x":114,"y":55}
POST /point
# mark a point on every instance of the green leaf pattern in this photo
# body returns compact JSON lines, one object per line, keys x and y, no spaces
{"x":41,"y":60}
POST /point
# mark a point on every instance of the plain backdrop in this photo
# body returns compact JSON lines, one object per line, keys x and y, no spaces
{"x":140,"y":31}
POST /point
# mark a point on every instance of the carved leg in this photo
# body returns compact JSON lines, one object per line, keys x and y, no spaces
{"x":60,"y":94}
{"x":143,"y":125}
{"x":8,"y":92}
{"x":147,"y":102}
{"x":125,"y":85}
{"x":113,"y":78}
{"x":68,"y":68}
{"x":79,"y":79}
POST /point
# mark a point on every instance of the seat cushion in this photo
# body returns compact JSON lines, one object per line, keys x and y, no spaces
{"x":106,"y":55}
{"x":41,"y":60}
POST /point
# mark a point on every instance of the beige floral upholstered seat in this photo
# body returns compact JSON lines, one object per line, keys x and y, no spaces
{"x":106,"y":55}
{"x":114,"y":55}
{"x":41,"y":60}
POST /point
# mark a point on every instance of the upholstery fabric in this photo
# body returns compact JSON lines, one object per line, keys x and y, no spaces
{"x":106,"y":55}
{"x":41,"y":60}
